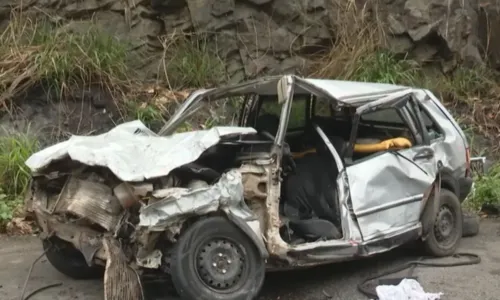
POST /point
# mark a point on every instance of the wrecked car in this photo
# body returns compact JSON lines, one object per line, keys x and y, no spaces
{"x":314,"y":172}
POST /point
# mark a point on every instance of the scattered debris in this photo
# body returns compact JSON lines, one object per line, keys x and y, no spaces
{"x":120,"y":280}
{"x":19,"y":226}
{"x":408,"y":289}
{"x":366,"y":287}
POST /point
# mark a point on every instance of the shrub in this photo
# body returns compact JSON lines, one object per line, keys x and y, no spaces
{"x":486,"y":190}
{"x":8,"y":207}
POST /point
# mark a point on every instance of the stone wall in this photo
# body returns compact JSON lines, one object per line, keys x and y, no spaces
{"x":256,"y":37}
{"x":253,"y":37}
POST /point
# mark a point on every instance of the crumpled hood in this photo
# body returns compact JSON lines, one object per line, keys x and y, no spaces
{"x":133,"y":152}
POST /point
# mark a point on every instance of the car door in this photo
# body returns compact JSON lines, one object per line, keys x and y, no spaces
{"x":387,"y":189}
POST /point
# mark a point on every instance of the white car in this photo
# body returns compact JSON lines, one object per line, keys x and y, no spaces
{"x":316,"y":172}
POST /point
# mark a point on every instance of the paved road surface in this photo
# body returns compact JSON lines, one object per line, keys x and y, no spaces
{"x":331,"y":282}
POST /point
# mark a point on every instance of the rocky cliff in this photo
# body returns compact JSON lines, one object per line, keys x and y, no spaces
{"x":255,"y":37}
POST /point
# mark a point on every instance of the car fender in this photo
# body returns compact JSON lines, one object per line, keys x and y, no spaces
{"x":251,"y":227}
{"x":430,"y":207}
{"x":448,"y":181}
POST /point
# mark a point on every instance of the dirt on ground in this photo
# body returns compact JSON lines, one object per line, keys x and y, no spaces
{"x":337,"y":281}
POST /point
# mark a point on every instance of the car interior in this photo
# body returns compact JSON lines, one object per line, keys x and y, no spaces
{"x":309,"y":207}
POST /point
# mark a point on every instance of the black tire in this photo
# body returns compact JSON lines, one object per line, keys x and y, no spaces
{"x":444,"y":238}
{"x":68,"y":260}
{"x":470,"y":225}
{"x":208,"y":250}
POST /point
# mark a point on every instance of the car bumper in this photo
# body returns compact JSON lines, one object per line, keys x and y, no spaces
{"x":465,"y":187}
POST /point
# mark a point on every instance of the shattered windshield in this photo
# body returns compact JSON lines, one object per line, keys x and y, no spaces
{"x":206,"y":114}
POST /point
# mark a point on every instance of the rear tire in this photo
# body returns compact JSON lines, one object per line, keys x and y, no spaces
{"x":444,"y":237}
{"x":214,"y":259}
{"x":470,"y":224}
{"x":66,"y":259}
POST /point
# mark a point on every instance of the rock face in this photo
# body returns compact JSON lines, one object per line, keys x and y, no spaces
{"x":256,"y":37}
{"x":448,"y":29}
{"x":489,"y":31}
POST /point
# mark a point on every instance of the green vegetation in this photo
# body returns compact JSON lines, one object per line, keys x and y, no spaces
{"x":190,"y":63}
{"x":64,"y":60}
{"x":14,"y":174}
{"x":384,"y":67}
{"x":467,"y":83}
{"x":34,"y":52}
{"x":487,"y":190}
{"x":149,"y":114}
{"x":8,"y":207}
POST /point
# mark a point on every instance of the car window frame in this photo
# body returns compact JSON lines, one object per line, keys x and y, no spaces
{"x":397,"y":100}
{"x":297,"y":98}
{"x":433,"y":120}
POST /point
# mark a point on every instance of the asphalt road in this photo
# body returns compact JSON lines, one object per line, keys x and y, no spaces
{"x":337,"y":281}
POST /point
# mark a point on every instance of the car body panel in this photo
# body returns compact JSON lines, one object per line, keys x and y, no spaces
{"x":387,"y":190}
{"x":386,"y":193}
{"x":133,"y":152}
{"x":381,"y":199}
{"x":451,"y":149}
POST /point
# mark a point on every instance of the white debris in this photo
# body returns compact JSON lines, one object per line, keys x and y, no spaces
{"x":408,"y":289}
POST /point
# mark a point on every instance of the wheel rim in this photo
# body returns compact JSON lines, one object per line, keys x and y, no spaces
{"x":220,"y":265}
{"x":445,"y":226}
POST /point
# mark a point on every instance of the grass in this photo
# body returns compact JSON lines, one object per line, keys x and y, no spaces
{"x":34,"y":52}
{"x":14,"y":151}
{"x":384,"y":67}
{"x":147,"y":113}
{"x":486,"y":190}
{"x":189,"y":62}
{"x":14,"y":174}
{"x":358,"y":36}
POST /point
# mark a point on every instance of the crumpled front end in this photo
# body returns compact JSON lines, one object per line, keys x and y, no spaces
{"x":128,"y":226}
{"x":95,"y":212}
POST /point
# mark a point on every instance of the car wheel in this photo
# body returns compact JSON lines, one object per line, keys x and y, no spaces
{"x":68,"y":260}
{"x":214,"y":259}
{"x":470,"y":224}
{"x":444,"y":238}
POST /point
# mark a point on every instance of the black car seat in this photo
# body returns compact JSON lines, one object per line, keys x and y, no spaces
{"x":268,"y":122}
{"x":310,"y":198}
{"x":340,"y":145}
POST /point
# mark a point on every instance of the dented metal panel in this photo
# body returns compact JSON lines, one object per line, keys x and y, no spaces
{"x":227,"y":192}
{"x":91,"y":200}
{"x":133,"y":152}
{"x":386,"y":193}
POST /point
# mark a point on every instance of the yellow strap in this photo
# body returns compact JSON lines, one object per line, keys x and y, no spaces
{"x":303,"y":153}
{"x":394,"y":143}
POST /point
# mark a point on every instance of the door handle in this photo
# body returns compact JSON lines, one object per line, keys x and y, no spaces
{"x":424,"y":154}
